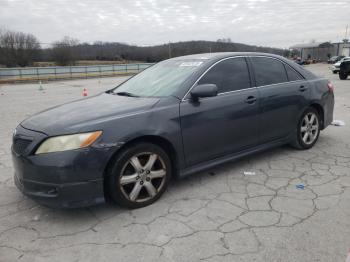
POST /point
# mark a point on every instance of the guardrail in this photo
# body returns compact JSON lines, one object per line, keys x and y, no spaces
{"x":68,"y":72}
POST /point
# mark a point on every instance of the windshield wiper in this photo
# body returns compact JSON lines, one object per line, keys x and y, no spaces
{"x":125,"y":94}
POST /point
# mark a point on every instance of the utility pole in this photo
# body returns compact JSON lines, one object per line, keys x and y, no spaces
{"x":346,"y":32}
{"x":346,"y":40}
{"x":169,"y":50}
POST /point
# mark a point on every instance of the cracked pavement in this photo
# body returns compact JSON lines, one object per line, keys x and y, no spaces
{"x":217,"y":215}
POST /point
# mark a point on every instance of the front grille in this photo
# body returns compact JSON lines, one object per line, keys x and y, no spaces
{"x":20,"y":145}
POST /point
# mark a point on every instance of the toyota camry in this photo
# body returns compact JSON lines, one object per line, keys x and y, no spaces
{"x":175,"y":118}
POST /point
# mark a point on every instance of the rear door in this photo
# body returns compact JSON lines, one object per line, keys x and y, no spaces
{"x":283,"y":94}
{"x":223,"y":124}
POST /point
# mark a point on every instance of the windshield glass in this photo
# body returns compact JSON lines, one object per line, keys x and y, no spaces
{"x":162,"y":79}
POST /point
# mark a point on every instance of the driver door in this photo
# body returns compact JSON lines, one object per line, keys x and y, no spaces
{"x":223,"y":124}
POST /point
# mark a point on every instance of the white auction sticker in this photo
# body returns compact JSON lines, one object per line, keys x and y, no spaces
{"x":191,"y":63}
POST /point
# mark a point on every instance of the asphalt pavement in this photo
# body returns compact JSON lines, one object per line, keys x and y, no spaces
{"x":217,"y":215}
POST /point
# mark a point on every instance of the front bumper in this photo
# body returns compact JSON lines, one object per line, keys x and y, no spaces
{"x":62,"y":179}
{"x":70,"y":195}
{"x":335,"y":69}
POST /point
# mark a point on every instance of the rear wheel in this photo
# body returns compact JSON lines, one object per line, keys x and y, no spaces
{"x":139,"y":175}
{"x":343,"y":76}
{"x":334,"y":72}
{"x":308,"y":129}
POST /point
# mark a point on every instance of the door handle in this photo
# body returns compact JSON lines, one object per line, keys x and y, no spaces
{"x":302,"y":88}
{"x":250,"y":100}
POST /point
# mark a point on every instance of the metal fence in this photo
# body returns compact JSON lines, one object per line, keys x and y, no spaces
{"x":67,"y":72}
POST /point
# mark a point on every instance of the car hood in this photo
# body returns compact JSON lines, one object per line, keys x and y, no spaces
{"x":85,"y":114}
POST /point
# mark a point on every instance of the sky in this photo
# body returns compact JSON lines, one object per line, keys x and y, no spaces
{"x":275,"y":23}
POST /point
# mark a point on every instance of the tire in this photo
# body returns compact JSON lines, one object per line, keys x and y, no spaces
{"x":335,"y":72}
{"x":139,"y":175}
{"x":343,"y":76}
{"x":312,"y":129}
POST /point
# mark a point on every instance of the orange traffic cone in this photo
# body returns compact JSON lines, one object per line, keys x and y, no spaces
{"x":85,"y":93}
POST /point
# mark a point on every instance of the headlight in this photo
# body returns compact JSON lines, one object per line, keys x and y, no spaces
{"x":68,"y":142}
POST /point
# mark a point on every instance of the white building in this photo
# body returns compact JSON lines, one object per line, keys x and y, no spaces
{"x":322,"y":51}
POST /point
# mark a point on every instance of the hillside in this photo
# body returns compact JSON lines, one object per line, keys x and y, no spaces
{"x":120,"y":51}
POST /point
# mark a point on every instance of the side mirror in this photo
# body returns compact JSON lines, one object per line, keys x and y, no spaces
{"x":205,"y":90}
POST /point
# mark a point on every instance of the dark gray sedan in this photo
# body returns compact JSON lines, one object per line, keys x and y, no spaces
{"x":175,"y":118}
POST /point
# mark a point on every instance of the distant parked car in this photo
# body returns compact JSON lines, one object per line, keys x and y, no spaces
{"x":335,"y":59}
{"x":299,"y":62}
{"x":336,"y":67}
{"x":308,"y":61}
{"x":302,"y":62}
{"x":344,"y":70}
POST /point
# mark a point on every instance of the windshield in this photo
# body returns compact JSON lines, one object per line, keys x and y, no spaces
{"x":162,"y":79}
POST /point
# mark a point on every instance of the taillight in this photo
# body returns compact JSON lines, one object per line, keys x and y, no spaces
{"x":330,"y":87}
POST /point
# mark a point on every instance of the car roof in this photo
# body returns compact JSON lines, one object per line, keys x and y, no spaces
{"x":220,"y":55}
{"x":344,"y":59}
{"x":211,"y":58}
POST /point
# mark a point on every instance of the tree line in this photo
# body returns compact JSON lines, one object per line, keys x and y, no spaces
{"x":18,"y":49}
{"x":22,"y":49}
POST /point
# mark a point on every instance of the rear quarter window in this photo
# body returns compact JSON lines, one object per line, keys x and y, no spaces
{"x":292,"y":74}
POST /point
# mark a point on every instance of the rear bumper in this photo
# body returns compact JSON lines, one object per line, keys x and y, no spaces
{"x":328,"y":110}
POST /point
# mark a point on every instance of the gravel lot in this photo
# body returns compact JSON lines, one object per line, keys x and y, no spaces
{"x":218,"y":215}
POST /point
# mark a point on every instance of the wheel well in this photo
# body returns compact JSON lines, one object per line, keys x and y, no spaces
{"x":159,"y":141}
{"x":320,"y":112}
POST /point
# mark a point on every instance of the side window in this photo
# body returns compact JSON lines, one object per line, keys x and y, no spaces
{"x":268,"y":71}
{"x":292,"y":74}
{"x":229,"y":75}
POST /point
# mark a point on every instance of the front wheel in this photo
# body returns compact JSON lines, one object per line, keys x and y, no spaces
{"x":343,"y":76}
{"x":139,"y":175}
{"x":308,"y":130}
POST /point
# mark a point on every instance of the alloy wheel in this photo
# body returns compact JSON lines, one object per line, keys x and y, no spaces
{"x":142,"y":177}
{"x":309,"y":128}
